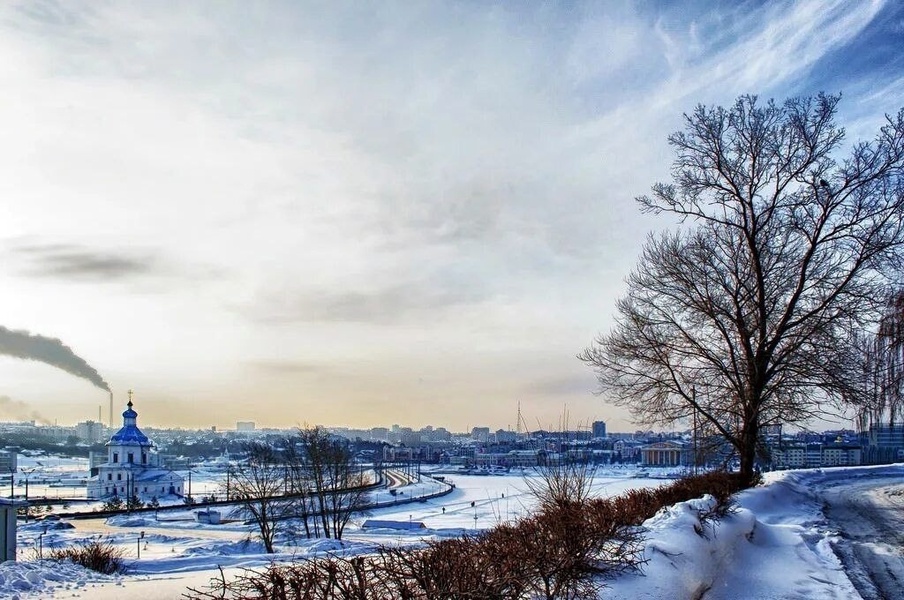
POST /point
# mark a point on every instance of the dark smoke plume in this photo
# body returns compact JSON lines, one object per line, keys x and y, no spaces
{"x":18,"y":410}
{"x":51,"y":351}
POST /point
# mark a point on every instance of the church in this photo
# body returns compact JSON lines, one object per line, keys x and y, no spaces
{"x":133,"y":469}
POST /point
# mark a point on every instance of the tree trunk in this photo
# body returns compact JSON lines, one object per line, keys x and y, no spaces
{"x":747,"y":451}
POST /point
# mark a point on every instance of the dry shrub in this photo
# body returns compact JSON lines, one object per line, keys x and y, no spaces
{"x":634,"y":506}
{"x":567,"y":550}
{"x":328,"y":578}
{"x":97,"y":555}
{"x":466,"y":568}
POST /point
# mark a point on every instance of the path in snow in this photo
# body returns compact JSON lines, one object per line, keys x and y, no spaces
{"x":869,"y":515}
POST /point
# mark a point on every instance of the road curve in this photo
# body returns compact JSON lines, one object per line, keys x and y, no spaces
{"x":868,"y":514}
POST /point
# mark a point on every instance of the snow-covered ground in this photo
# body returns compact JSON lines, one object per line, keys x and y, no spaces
{"x":778,"y":544}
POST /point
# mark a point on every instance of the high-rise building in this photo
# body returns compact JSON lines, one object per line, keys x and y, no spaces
{"x":599,"y":429}
{"x":481,"y":434}
{"x":90,"y":431}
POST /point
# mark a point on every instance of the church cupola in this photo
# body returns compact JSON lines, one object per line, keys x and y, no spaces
{"x":129,"y":434}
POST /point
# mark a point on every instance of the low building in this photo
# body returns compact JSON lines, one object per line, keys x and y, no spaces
{"x":841,"y":455}
{"x":8,"y":461}
{"x":667,"y":453}
{"x":799,"y":456}
{"x":133,"y":468}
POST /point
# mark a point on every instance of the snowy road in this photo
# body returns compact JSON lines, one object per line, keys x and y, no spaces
{"x":869,"y":516}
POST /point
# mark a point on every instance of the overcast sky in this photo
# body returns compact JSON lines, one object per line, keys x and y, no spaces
{"x":364,"y":213}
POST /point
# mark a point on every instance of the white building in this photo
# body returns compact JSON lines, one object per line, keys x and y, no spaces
{"x":133,"y":468}
{"x":90,"y":431}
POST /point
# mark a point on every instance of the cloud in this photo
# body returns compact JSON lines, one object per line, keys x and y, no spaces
{"x":79,"y":263}
{"x":288,"y":367}
{"x":391,"y":305}
{"x":574,"y":385}
{"x":82,"y":263}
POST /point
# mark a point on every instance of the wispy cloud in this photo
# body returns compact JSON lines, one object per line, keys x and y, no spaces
{"x":34,"y":258}
{"x":393,"y":305}
{"x":289,"y":367}
{"x":67,"y":261}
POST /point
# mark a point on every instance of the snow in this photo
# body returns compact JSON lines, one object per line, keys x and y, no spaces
{"x":775,"y":544}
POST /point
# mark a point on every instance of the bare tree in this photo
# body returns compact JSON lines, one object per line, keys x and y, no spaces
{"x":300,"y":486}
{"x":888,"y":357}
{"x":337,"y":482}
{"x":258,"y":483}
{"x":879,"y":359}
{"x":560,"y":484}
{"x":744,"y":314}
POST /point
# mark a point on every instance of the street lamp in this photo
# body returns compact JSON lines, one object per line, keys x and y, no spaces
{"x":41,"y":545}
{"x":27,"y":474}
{"x":140,"y":537}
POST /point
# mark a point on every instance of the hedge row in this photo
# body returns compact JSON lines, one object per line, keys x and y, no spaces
{"x":567,"y":550}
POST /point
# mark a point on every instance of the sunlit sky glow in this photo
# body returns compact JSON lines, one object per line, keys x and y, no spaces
{"x":364,"y":213}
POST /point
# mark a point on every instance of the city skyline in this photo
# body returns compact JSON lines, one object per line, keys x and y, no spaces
{"x":319,"y":213}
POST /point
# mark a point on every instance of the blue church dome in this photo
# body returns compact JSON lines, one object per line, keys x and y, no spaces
{"x":130,"y":434}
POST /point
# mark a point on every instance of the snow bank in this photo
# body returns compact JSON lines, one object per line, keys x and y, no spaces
{"x":770,"y":546}
{"x":20,"y":580}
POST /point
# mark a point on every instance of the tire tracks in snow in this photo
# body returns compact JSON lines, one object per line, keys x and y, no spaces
{"x":870,"y":523}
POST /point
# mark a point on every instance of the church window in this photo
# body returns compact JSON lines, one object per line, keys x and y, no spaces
{"x":109,"y":476}
{"x":144,"y":458}
{"x":119,"y":477}
{"x":131,"y":457}
{"x":116,"y":457}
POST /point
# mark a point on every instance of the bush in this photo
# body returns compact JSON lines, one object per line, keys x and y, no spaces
{"x":113,"y":503}
{"x":566,"y":550}
{"x":97,"y":555}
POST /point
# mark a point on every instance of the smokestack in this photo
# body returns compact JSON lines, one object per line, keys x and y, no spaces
{"x":50,"y":351}
{"x":111,"y":409}
{"x":100,"y":418}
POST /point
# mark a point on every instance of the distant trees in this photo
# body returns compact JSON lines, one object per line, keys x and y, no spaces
{"x":745,"y":316}
{"x":312,"y":477}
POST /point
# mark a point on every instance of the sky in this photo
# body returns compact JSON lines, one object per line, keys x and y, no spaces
{"x":363,"y":214}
